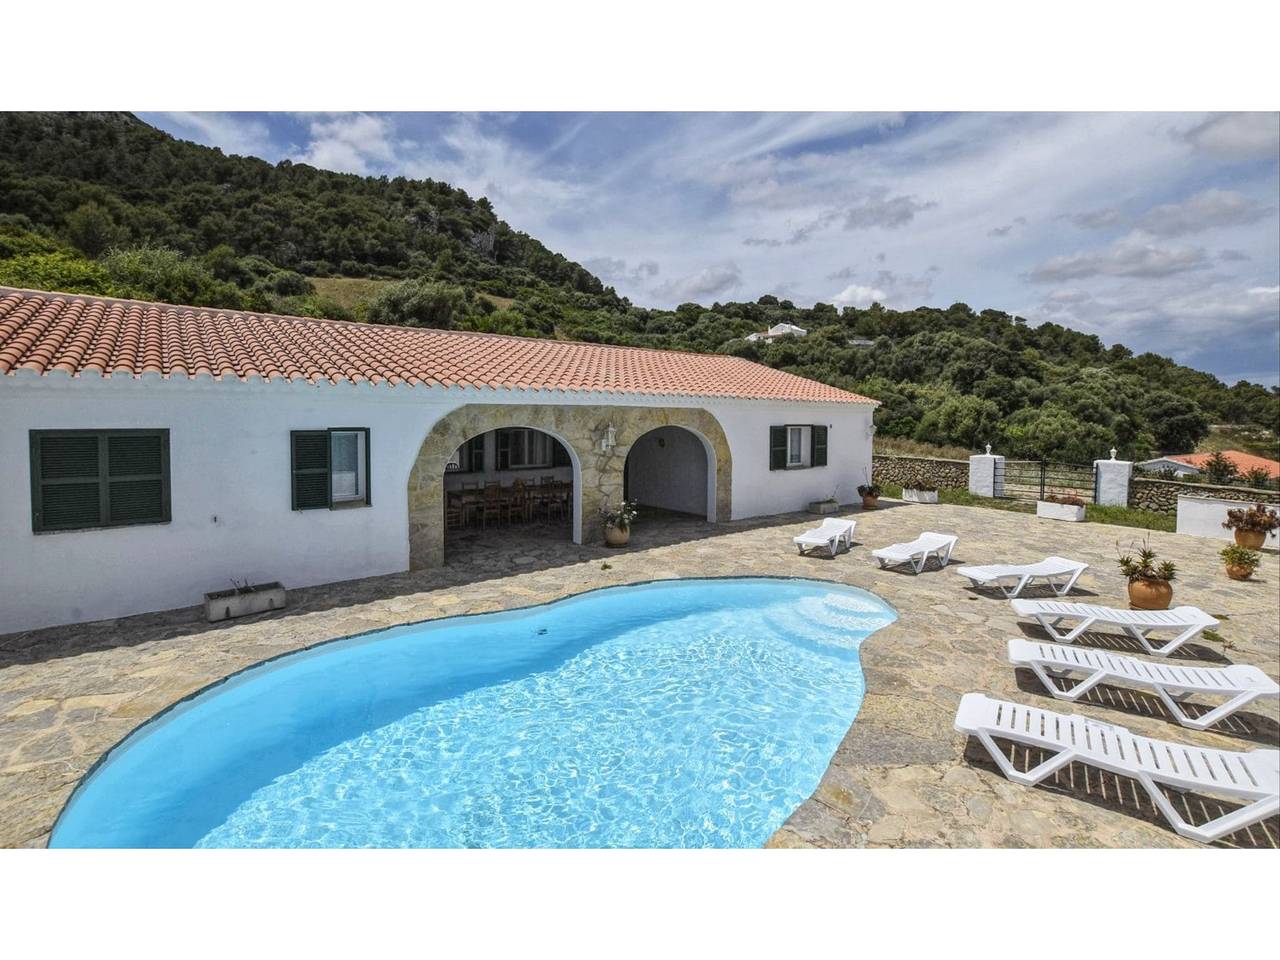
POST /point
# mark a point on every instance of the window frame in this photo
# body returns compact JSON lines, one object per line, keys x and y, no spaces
{"x":814,"y":443}
{"x":103,"y":479}
{"x":508,"y":447}
{"x":366,"y":466}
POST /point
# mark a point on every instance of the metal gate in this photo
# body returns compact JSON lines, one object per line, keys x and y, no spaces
{"x":1037,"y":479}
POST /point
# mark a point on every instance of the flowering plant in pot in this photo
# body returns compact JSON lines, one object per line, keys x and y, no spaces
{"x":617,"y":522}
{"x":1150,"y":582}
{"x":1251,"y":525}
{"x":870,"y":493}
{"x":1239,"y":562}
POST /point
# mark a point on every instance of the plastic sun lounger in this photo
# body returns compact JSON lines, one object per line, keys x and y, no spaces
{"x":1058,"y":572}
{"x":1173,"y":684}
{"x":832,"y":535}
{"x":918,"y":551}
{"x":1253,"y":776}
{"x":1136,"y":623}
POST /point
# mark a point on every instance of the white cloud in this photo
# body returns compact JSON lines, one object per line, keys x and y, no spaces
{"x":1212,"y":208}
{"x":709,"y":282}
{"x":232,"y":132}
{"x":1131,"y":256}
{"x":1098,"y":219}
{"x":858,"y":295}
{"x":350,"y":143}
{"x":884,"y":211}
{"x":1237,"y":136}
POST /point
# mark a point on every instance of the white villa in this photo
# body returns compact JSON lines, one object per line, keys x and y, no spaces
{"x":778,"y":330}
{"x":154,"y":453}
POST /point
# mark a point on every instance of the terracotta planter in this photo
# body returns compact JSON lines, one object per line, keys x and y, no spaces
{"x":616,"y":536}
{"x":1250,"y":540}
{"x":869,"y":503}
{"x":1238,"y":573}
{"x":1150,"y":594}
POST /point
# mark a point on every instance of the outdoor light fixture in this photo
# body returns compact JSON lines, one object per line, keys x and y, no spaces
{"x":609,"y":439}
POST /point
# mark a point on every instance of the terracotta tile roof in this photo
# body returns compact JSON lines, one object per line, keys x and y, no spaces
{"x":78,"y":334}
{"x":1244,"y":462}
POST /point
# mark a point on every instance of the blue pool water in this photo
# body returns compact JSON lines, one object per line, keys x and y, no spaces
{"x":684,"y":713}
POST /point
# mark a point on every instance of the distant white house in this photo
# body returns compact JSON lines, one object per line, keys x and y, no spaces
{"x":151,"y":453}
{"x":778,"y":330}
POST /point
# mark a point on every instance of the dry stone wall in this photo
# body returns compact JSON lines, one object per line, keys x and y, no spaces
{"x":1162,"y":495}
{"x":943,"y":474}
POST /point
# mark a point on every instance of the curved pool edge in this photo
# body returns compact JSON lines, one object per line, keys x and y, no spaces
{"x":140,"y":729}
{"x":866,"y":722}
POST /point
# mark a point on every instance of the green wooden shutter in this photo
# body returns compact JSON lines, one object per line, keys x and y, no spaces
{"x":818,"y":445}
{"x":503,"y":457}
{"x":777,"y":448}
{"x":66,"y":481}
{"x":137,"y":478}
{"x":310,"y":466}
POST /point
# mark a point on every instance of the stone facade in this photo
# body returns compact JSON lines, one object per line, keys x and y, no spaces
{"x":1162,"y":495}
{"x":944,"y":474}
{"x":598,"y":477}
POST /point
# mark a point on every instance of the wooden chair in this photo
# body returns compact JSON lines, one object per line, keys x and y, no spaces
{"x":520,"y":501}
{"x":494,"y":504}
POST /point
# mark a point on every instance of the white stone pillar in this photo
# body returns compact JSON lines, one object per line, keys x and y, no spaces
{"x":986,"y":474}
{"x":1111,"y":481}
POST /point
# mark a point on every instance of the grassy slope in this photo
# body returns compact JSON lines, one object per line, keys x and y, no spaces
{"x":1256,"y":440}
{"x":354,"y":292}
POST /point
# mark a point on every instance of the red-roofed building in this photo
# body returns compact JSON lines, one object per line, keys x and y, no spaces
{"x":156,"y":452}
{"x":1193,"y":463}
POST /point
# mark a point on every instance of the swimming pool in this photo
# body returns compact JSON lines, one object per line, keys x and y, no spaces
{"x":682,"y":713}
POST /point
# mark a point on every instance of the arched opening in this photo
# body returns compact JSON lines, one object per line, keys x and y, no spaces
{"x":672,"y":470}
{"x":598,"y":467}
{"x":508,"y":484}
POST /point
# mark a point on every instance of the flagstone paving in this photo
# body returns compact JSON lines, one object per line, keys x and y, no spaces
{"x":901,"y":777}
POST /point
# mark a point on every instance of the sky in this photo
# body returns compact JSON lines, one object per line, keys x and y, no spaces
{"x":1157,"y":230}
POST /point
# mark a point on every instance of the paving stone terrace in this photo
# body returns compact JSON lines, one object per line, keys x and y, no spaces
{"x":901,"y":777}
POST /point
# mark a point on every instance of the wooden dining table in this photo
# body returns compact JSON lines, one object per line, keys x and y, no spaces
{"x":528,"y":498}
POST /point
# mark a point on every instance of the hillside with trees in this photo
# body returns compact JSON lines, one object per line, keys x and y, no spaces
{"x":105,"y":204}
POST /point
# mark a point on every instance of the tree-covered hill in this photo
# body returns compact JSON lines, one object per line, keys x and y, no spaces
{"x":103,"y":203}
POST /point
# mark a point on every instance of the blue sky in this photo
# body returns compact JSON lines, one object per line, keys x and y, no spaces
{"x":1158,"y":230}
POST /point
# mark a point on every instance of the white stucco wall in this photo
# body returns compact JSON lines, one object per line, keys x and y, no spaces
{"x":759,"y":491}
{"x":230,"y":481}
{"x":667,"y":468}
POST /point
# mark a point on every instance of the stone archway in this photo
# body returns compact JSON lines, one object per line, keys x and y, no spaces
{"x":597,"y":476}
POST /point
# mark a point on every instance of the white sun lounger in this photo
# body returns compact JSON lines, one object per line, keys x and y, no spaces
{"x":1253,"y":776}
{"x":1060,"y":573}
{"x":917,"y":552}
{"x":1188,"y":621}
{"x":832,"y":535}
{"x":1173,"y":684}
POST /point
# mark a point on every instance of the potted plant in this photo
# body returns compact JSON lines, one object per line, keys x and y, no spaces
{"x":826,"y":505}
{"x":1252,"y":525}
{"x":919,"y":490}
{"x":870,"y":493}
{"x":617,"y":522}
{"x":1240,"y":563}
{"x":242,"y":600}
{"x":1150,"y":583}
{"x":1061,"y":506}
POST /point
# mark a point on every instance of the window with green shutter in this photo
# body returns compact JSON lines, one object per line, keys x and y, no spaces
{"x":797,"y":446}
{"x":329,"y":468}
{"x":82,"y":479}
